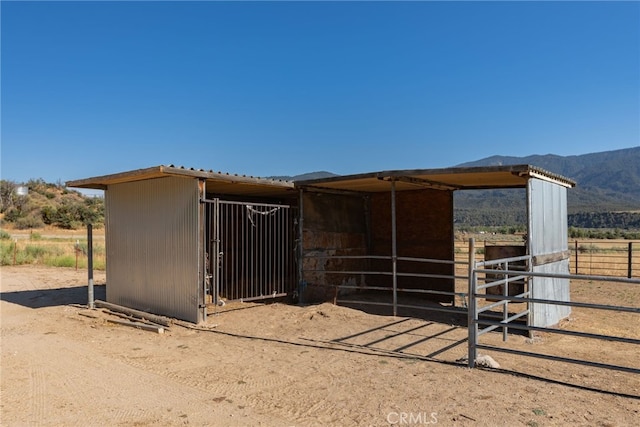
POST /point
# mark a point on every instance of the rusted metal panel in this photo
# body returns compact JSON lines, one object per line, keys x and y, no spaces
{"x":548,"y":235}
{"x":333,"y":224}
{"x":152,"y":245}
{"x":493,"y":252}
{"x":424,"y":230}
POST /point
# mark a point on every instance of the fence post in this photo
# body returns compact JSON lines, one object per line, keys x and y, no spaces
{"x":394,"y":248}
{"x":630,"y":261}
{"x":576,"y":268}
{"x":91,"y":302}
{"x":472,"y":326}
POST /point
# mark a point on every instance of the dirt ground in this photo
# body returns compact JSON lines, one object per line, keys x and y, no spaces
{"x":286,"y":365}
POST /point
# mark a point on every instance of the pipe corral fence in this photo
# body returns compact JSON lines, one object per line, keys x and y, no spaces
{"x":478,"y":281}
{"x":493,"y":288}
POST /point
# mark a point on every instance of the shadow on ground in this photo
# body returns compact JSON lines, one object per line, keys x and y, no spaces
{"x":53,"y":297}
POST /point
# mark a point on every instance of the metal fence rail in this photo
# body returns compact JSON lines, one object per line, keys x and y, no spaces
{"x":614,"y":258}
{"x":479,"y":326}
{"x":597,"y":257}
{"x":393,"y":290}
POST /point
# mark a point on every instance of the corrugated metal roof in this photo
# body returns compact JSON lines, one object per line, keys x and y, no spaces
{"x":216,"y":182}
{"x":467,"y":178}
{"x":462,"y":178}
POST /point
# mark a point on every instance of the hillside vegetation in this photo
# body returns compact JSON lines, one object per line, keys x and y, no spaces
{"x":48,"y":204}
{"x":606,"y":182}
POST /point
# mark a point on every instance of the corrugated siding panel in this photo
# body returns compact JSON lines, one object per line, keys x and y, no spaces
{"x":548,"y":234}
{"x":152,"y":246}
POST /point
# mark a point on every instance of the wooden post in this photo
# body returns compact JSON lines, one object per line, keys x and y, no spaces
{"x":15,"y":250}
{"x":160,"y":320}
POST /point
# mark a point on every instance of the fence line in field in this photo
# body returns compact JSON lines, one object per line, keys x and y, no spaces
{"x":603,"y":258}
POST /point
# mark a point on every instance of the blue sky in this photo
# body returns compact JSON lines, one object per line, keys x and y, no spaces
{"x":283,"y":88}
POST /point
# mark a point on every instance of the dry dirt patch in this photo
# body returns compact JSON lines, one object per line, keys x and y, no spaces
{"x":277,"y":364}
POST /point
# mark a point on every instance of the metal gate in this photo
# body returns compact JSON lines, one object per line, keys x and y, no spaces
{"x":249,"y":251}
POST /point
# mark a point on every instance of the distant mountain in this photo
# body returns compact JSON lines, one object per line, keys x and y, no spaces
{"x":608,"y":181}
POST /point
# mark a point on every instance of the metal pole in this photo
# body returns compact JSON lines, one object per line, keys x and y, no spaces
{"x":91,"y":303}
{"x":217,"y":255}
{"x":576,"y":268}
{"x":630,"y":260}
{"x":300,"y":248}
{"x":394,"y":249}
{"x":505,"y":306}
{"x":203,"y":248}
{"x":472,"y":326}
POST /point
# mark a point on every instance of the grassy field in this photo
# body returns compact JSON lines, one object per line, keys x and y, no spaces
{"x":52,"y":247}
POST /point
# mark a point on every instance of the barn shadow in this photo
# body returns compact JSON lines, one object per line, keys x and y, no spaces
{"x":40,"y":298}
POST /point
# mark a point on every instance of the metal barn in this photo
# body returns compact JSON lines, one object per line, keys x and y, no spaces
{"x":178,"y":240}
{"x":394,"y":229}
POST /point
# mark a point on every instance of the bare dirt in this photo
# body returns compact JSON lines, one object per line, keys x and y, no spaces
{"x":286,"y":365}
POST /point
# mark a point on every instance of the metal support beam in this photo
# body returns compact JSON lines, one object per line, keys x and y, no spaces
{"x":421,"y":182}
{"x":91,"y":303}
{"x":300,"y":247}
{"x":202,"y":252}
{"x":472,"y":314}
{"x":394,"y":248}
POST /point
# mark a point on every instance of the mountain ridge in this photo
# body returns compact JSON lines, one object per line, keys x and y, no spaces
{"x":606,"y":181}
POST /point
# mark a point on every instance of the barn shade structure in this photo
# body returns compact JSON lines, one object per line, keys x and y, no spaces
{"x":179,"y":240}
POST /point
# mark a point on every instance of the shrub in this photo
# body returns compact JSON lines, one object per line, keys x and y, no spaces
{"x":62,"y":261}
{"x":35,"y":251}
{"x":4,"y":235}
{"x":29,"y":222}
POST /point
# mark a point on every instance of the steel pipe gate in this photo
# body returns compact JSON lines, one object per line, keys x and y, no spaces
{"x":249,"y":251}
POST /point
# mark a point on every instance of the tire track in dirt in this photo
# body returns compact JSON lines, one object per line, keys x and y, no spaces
{"x":66,"y":376}
{"x":37,"y":395}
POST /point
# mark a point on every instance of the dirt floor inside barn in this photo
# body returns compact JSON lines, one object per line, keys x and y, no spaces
{"x":277,"y":364}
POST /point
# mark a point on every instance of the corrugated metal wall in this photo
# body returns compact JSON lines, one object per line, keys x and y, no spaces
{"x":152,"y":245}
{"x":548,"y":235}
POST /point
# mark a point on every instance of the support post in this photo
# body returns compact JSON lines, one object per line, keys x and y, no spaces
{"x":505,"y":306}
{"x":394,"y":248}
{"x":472,"y":326}
{"x":202,"y":251}
{"x":91,"y":302}
{"x":217,"y":255}
{"x":300,"y":247}
{"x":576,"y":267}
{"x":630,"y":261}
